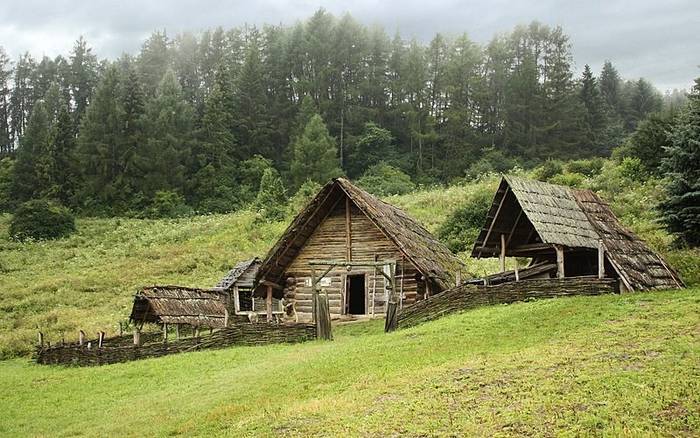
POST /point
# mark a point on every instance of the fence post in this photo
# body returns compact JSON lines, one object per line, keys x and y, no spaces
{"x":323,"y":321}
{"x":41,"y":340}
{"x":81,"y":337}
{"x":137,"y":336}
{"x":100,"y":339}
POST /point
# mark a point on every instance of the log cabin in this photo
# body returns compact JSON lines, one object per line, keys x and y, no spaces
{"x":360,"y":251}
{"x":566,"y":232}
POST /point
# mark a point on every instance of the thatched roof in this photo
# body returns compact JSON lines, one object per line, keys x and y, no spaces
{"x":243,"y":271}
{"x":180,"y":305}
{"x":425,"y":252}
{"x":537,"y":213}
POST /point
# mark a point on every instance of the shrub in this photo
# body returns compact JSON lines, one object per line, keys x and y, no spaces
{"x":40,"y":219}
{"x":548,"y":170}
{"x":493,"y":161}
{"x":384,"y":180}
{"x":568,"y":179}
{"x":590,"y":167}
{"x":302,"y":197}
{"x":462,"y":226}
{"x":168,"y":204}
{"x":271,"y":200}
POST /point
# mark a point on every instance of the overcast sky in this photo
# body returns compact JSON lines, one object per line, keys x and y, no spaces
{"x":658,"y":40}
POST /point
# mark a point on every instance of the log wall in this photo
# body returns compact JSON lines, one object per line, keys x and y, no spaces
{"x":469,"y":296}
{"x":114,"y":351}
{"x":329,"y":242}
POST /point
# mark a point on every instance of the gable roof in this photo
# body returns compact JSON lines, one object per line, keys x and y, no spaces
{"x":250,"y":265}
{"x":432,"y":258}
{"x":578,"y":219}
{"x":180,"y":305}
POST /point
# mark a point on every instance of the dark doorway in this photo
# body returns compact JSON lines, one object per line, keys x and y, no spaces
{"x":356,"y":295}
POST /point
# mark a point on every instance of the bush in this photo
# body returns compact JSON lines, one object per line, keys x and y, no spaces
{"x":40,"y":219}
{"x":568,"y":179}
{"x":302,"y":197}
{"x":548,"y":170}
{"x":271,"y":201}
{"x":493,"y":161}
{"x":460,"y":230}
{"x":384,"y":180}
{"x":167,"y":204}
{"x":590,"y":167}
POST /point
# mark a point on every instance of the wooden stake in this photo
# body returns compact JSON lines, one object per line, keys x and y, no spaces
{"x":268,"y":303}
{"x":41,"y":339}
{"x":601,"y":259}
{"x":502,"y":257}
{"x":137,"y":336}
{"x":177,"y":331}
{"x":560,"y":260}
{"x":100,"y":339}
{"x":225,"y":317}
{"x":165,"y":331}
{"x":81,"y":337}
{"x":517,"y":274}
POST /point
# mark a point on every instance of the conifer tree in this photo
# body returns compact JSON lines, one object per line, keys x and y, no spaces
{"x":83,"y":77}
{"x":29,"y":172}
{"x":315,"y":155}
{"x":681,"y":211}
{"x":594,"y":116}
{"x":5,"y":130}
{"x":61,"y":154}
{"x":271,"y":200}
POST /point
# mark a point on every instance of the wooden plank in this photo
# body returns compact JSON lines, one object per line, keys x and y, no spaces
{"x":601,"y":259}
{"x":502,"y":256}
{"x":560,"y":260}
{"x":268,"y":303}
{"x":348,"y":231}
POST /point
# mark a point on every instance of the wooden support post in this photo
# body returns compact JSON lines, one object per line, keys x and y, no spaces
{"x":502,"y":256}
{"x":121,"y":329}
{"x":225,"y":317}
{"x":236,"y":300}
{"x":100,"y":339}
{"x":348,"y":231}
{"x":41,"y":339}
{"x":560,"y":260}
{"x":137,"y":336}
{"x":177,"y":331}
{"x":601,"y":259}
{"x":165,"y":332}
{"x":458,"y":278}
{"x":268,"y":303}
{"x":196,"y":332}
{"x":81,"y":337}
{"x":517,"y":274}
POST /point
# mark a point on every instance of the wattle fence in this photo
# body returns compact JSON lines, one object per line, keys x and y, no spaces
{"x":469,"y":296}
{"x":122,"y":348}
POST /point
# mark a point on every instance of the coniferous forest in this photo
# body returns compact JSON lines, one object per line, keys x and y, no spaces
{"x":195,"y":121}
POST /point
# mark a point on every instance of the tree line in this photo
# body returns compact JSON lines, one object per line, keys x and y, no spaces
{"x":197,"y":120}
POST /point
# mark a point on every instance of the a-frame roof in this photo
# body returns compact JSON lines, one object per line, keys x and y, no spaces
{"x":431,"y":257}
{"x":576,"y":219}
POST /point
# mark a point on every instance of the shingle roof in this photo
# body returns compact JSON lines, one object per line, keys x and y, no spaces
{"x":428,"y":255}
{"x":234,"y":274}
{"x":580,"y":219}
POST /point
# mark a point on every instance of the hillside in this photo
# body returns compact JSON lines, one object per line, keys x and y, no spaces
{"x":609,"y":365}
{"x":87,"y":281}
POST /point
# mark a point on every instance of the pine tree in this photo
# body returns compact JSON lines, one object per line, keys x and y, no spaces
{"x":271,"y":200}
{"x":594,"y":117}
{"x":30,"y":174}
{"x":21,"y":96}
{"x":153,"y":61}
{"x":315,"y":155}
{"x":681,"y":211}
{"x":169,"y":123}
{"x":6,"y":145}
{"x":83,"y":77}
{"x":62,"y":162}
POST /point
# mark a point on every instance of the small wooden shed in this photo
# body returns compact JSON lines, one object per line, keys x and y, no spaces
{"x":239,"y":283}
{"x":572,"y":230}
{"x":350,"y":245}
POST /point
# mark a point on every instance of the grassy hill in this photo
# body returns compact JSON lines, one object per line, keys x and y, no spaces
{"x":609,"y":365}
{"x":87,"y":280}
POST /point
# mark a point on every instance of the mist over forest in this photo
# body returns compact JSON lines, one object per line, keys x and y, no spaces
{"x":199,"y":119}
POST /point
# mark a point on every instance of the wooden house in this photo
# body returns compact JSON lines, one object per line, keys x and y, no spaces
{"x":351,"y":246}
{"x":239,"y":283}
{"x":179,"y":305}
{"x":567,"y":232}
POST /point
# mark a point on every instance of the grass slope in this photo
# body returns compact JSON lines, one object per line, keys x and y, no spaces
{"x":609,"y":365}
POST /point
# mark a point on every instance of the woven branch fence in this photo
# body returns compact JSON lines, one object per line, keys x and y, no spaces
{"x":469,"y":296}
{"x":117,"y":349}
